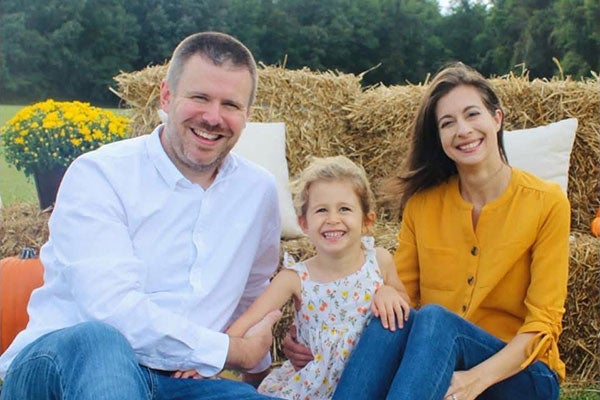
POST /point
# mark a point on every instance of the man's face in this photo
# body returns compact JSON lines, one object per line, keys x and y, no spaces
{"x":207,"y":113}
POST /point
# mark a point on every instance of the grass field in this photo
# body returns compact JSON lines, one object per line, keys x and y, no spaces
{"x":15,"y":187}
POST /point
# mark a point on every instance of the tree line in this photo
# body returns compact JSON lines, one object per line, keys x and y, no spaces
{"x":71,"y":49}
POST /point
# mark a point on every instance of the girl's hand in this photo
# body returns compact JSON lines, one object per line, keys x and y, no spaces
{"x":391,"y":307}
{"x":187,"y":374}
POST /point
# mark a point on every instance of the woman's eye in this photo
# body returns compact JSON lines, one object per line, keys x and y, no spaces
{"x":444,"y":124}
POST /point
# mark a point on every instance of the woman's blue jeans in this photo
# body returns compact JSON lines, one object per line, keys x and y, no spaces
{"x":94,"y":361}
{"x":417,"y":361}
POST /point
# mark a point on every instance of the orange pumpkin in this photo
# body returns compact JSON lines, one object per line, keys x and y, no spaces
{"x":595,"y":226}
{"x":19,"y":275}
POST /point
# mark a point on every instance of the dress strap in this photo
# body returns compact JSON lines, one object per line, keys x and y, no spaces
{"x":290,"y":263}
{"x":368,"y":242}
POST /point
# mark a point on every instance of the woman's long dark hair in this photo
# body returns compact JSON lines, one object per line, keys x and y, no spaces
{"x":427,"y":165}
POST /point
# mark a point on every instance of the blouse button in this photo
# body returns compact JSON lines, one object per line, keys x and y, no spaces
{"x":474,"y":250}
{"x":470,"y":280}
{"x":464,"y":308}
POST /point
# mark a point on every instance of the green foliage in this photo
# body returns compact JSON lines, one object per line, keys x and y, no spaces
{"x":71,"y":49}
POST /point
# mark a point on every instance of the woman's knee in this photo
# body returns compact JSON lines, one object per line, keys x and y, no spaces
{"x":434,"y":319}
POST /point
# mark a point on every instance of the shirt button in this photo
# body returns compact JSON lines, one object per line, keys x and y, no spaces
{"x":470,"y":280}
{"x":474,"y":250}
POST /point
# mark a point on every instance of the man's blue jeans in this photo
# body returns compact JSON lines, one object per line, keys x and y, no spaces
{"x":94,"y":361}
{"x":417,"y":362}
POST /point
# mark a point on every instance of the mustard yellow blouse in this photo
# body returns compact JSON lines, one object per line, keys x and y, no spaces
{"x":507,"y":276}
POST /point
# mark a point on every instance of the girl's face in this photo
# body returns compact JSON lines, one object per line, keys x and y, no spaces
{"x":468,"y":132}
{"x":334,"y":219}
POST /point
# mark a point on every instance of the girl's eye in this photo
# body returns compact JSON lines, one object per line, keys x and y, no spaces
{"x":345,"y":209}
{"x":320,"y":210}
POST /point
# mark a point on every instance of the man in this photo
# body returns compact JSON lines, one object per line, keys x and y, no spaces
{"x":156,"y":245}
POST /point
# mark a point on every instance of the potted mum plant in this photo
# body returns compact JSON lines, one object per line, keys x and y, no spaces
{"x":44,"y":138}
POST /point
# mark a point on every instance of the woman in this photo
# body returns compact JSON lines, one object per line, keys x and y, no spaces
{"x":483,"y":252}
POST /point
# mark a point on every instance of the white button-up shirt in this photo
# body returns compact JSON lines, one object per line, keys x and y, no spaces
{"x":135,"y":244}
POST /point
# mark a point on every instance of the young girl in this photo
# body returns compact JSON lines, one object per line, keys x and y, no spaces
{"x":335,"y":291}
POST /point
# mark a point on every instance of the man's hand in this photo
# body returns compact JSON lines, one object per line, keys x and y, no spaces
{"x":246,"y":352}
{"x":389,"y":305}
{"x":298,"y":354}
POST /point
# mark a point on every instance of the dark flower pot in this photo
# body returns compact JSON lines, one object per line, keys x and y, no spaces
{"x":47,"y":183}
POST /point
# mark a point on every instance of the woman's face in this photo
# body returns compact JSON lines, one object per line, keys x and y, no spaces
{"x":468,"y":131}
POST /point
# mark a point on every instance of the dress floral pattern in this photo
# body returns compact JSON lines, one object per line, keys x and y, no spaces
{"x":329,"y":321}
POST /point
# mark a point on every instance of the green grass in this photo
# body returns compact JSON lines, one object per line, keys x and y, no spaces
{"x":15,"y":187}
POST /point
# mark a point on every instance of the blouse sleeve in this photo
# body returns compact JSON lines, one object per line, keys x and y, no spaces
{"x":549,"y":275}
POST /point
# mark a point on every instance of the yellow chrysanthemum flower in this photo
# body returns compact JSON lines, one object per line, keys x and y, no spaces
{"x":48,"y":134}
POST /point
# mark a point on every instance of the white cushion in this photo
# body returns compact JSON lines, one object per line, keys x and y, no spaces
{"x":264,"y":144}
{"x":544,"y":151}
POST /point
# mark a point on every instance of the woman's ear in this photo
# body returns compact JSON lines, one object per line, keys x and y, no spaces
{"x":498,"y":117}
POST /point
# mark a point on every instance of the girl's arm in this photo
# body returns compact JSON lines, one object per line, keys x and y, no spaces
{"x":285,"y":284}
{"x":391,"y":301}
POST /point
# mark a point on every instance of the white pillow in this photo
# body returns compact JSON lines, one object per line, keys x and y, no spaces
{"x":544,"y":151}
{"x":264,"y":144}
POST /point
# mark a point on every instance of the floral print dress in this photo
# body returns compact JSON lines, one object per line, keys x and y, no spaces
{"x":329,"y":321}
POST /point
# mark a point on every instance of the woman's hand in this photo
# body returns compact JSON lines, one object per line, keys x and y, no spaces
{"x":298,"y":354}
{"x":391,"y":307}
{"x":464,"y":385}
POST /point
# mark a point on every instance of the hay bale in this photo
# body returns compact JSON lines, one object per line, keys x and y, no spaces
{"x":23,"y":225}
{"x":140,"y":90}
{"x":579,"y":344}
{"x":381,"y":122}
{"x":313,"y":107}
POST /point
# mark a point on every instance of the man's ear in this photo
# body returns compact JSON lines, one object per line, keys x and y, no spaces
{"x":165,"y":96}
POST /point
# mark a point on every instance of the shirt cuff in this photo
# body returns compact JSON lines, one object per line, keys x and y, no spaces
{"x":211,"y":357}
